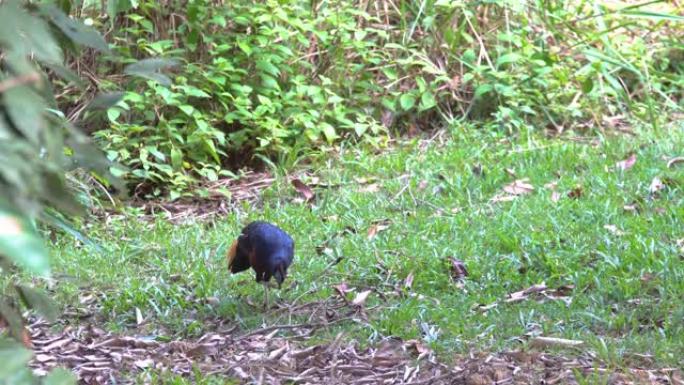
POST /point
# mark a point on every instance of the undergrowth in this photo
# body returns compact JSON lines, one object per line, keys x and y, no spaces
{"x":276,"y":80}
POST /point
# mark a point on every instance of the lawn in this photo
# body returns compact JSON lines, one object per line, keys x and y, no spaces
{"x":600,"y":229}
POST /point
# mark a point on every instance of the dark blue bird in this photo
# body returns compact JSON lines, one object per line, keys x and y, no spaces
{"x":267,"y":249}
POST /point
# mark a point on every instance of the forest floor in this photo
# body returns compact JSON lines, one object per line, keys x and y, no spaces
{"x":459,"y":258}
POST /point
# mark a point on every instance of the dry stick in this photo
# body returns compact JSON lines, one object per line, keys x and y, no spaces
{"x":17,"y":81}
{"x":295,"y":326}
{"x":433,"y":379}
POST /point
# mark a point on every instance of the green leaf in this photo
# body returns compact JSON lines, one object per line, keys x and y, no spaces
{"x":268,"y":67}
{"x":55,"y":219}
{"x":13,"y":356}
{"x":507,"y":58}
{"x":407,"y":101}
{"x":269,"y":82}
{"x":244,"y":46}
{"x":26,"y":35}
{"x":187,"y":109}
{"x":66,"y":74}
{"x":25,"y":108}
{"x":59,"y":376}
{"x":149,"y":69}
{"x":21,"y":244}
{"x":39,"y":301}
{"x":427,"y":101}
{"x":329,"y":132}
{"x":105,"y":101}
{"x":587,"y":85}
{"x":76,"y":31}
{"x":176,"y":158}
{"x":117,"y":6}
{"x":482,"y":90}
{"x":13,"y":317}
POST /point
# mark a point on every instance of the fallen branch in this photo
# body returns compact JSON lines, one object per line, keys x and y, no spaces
{"x":542,"y":342}
{"x":269,"y":329}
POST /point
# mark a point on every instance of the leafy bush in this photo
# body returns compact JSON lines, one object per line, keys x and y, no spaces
{"x":264,"y":79}
{"x":38,"y":146}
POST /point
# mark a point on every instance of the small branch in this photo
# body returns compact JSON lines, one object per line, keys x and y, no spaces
{"x":32,"y":77}
{"x":295,"y":326}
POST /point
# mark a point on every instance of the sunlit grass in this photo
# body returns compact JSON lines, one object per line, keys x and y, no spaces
{"x":625,"y":264}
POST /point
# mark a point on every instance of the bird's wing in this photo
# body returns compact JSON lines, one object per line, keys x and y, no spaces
{"x":238,"y":259}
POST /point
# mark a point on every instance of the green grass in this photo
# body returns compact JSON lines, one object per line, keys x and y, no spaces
{"x":169,"y":271}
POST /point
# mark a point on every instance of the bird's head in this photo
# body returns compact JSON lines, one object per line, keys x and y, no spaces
{"x":280,"y":273}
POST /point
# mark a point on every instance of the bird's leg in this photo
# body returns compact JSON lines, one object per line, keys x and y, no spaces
{"x":265,"y":283}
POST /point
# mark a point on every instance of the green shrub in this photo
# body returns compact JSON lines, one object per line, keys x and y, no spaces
{"x":263,"y":79}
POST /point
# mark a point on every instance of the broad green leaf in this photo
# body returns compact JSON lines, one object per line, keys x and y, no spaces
{"x":13,"y":356}
{"x":149,"y":69}
{"x":507,"y":58}
{"x":75,"y":30}
{"x":39,"y":301}
{"x":59,"y":376}
{"x":482,"y":90}
{"x":329,"y":132}
{"x":587,"y":85}
{"x":66,"y":74}
{"x":13,"y":319}
{"x":245,"y":47}
{"x":176,"y":158}
{"x":407,"y":101}
{"x":269,"y":82}
{"x":105,"y":101}
{"x":187,"y":109}
{"x":26,"y":34}
{"x":56,"y":219}
{"x":268,"y":67}
{"x":20,"y":243}
{"x":156,"y":153}
{"x":25,"y":108}
{"x":427,"y":101}
{"x":117,"y":6}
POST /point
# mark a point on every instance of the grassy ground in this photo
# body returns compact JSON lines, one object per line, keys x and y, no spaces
{"x":428,"y":201}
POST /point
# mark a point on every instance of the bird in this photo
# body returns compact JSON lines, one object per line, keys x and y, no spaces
{"x":267,"y":249}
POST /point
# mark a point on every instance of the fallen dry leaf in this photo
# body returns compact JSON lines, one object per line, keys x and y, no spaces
{"x":377,"y":227}
{"x":146,"y":363}
{"x":342,"y":289}
{"x":674,"y":161}
{"x":656,"y":185}
{"x":630,"y":208}
{"x":524,"y":294}
{"x":360,"y":298}
{"x":408,"y":282}
{"x":626,"y":164}
{"x":613,"y":229}
{"x":503,"y":198}
{"x":458,"y":269}
{"x":576,"y":192}
{"x":370,"y":188}
{"x":305,"y":191}
{"x":138,"y":317}
{"x":418,"y":347}
{"x":519,"y":187}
